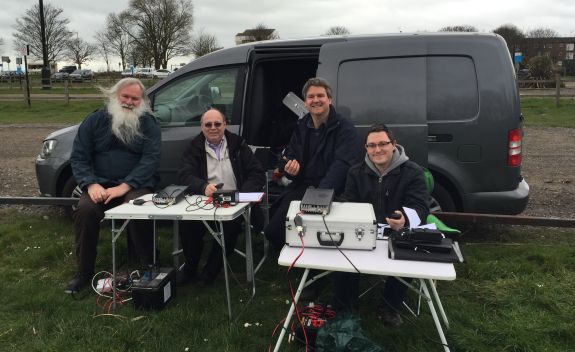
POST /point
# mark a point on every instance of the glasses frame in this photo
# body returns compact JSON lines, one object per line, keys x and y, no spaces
{"x":381,"y":145}
{"x":213,"y":124}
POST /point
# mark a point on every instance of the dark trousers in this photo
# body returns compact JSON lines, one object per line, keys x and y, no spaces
{"x":346,"y":291}
{"x":275,"y":232}
{"x":87,"y":218}
{"x":192,"y":238}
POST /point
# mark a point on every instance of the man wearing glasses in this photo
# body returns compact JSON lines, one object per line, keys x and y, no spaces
{"x":216,"y":156}
{"x":389,"y":181}
{"x":323,"y":146}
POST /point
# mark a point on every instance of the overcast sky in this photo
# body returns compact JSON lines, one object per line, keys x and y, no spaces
{"x":305,"y":18}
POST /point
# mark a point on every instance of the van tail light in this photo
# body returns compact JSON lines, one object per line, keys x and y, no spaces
{"x":514,"y":138}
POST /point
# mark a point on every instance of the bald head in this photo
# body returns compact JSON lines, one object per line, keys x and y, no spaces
{"x":213,"y":126}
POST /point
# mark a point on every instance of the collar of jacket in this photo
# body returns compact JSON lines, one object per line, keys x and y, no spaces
{"x":330,"y":124}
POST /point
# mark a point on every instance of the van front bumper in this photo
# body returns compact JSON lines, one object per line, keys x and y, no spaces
{"x":507,"y":203}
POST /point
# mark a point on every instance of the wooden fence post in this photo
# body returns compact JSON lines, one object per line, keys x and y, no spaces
{"x":66,"y":92}
{"x":557,"y":89}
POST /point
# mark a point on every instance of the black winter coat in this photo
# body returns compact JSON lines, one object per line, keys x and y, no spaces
{"x":249,"y":173}
{"x":335,"y":154}
{"x":401,"y":187}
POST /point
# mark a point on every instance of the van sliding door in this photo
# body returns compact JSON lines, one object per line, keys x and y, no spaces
{"x":381,"y":81}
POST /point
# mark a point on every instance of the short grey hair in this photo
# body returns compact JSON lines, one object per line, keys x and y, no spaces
{"x":316,"y":82}
{"x":112,"y":92}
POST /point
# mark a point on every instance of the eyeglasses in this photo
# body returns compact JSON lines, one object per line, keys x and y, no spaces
{"x":375,"y":145}
{"x":215,"y":124}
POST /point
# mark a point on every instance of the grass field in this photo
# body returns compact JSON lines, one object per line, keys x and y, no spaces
{"x":514,"y":293}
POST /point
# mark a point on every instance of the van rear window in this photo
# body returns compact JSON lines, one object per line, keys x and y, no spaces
{"x":408,"y":90}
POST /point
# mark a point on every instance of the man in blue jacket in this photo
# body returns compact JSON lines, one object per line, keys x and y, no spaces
{"x":115,"y":158}
{"x":322,"y":148}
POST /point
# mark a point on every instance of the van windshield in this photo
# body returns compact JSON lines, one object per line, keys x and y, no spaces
{"x":186,"y":99}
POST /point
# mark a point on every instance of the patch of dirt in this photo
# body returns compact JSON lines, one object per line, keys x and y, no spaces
{"x":548,"y":167}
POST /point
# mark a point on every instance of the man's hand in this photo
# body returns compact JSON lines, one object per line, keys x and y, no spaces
{"x":116,"y":192}
{"x":210,"y":189}
{"x":396,"y":224}
{"x":97,"y":193}
{"x":292,"y":167}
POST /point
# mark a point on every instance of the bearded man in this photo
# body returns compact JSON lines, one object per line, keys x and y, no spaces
{"x":115,"y":159}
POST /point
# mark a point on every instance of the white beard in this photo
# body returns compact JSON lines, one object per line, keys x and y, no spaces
{"x":125,"y":123}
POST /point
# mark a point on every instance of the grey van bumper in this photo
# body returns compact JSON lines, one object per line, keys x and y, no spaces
{"x":510,"y":202}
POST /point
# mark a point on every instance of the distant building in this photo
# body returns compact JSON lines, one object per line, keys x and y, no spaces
{"x":255,"y":35}
{"x":558,"y":48}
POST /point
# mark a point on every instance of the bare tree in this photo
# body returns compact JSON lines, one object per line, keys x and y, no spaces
{"x":262,"y":32}
{"x":459,"y":28}
{"x":337,"y":30}
{"x":57,"y":33}
{"x":119,"y":41}
{"x":542,"y":33}
{"x":79,"y":51}
{"x":161,"y":26}
{"x":203,"y":44}
{"x":512,"y":36}
{"x":103,"y":47}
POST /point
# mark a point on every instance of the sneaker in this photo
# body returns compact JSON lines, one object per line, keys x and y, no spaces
{"x":78,"y":282}
{"x":391,"y":318}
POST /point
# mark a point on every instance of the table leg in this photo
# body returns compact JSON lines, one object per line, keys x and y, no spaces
{"x":220,"y":234}
{"x":291,"y":309}
{"x":249,"y":251}
{"x":434,"y":315}
{"x":115,"y":235}
{"x":439,"y":305}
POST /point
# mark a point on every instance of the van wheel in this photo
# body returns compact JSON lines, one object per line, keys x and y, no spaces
{"x":441,"y":199}
{"x":71,"y":190}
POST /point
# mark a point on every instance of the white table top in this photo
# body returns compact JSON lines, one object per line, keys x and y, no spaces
{"x":184,"y":210}
{"x":374,"y":262}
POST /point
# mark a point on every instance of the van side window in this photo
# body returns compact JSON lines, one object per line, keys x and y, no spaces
{"x":451,"y":88}
{"x":185,"y":100}
{"x":408,"y":90}
{"x":390,"y":90}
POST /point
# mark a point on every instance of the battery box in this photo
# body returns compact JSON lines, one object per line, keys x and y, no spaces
{"x":347,"y":226}
{"x":154,"y":289}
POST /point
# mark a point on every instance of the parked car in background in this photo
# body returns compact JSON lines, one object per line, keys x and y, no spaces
{"x":6,"y":76}
{"x":68,"y":69}
{"x":129,"y":72}
{"x":161,"y":73}
{"x":81,"y":75}
{"x":144,"y":72}
{"x":60,"y":76}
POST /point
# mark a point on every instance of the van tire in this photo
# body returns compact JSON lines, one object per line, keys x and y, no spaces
{"x":441,"y":199}
{"x":71,"y":190}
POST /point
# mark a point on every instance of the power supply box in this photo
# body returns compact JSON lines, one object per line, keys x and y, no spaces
{"x":347,"y":226}
{"x":154,"y":289}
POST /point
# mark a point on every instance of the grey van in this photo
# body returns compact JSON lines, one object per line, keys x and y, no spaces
{"x":451,"y":99}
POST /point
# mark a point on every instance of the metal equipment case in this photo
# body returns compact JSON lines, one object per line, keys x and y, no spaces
{"x":350,"y":226}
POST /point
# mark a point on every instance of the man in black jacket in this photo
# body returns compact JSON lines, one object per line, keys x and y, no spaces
{"x":115,"y":158}
{"x":213,"y":157}
{"x":389,"y":181}
{"x":322,"y":148}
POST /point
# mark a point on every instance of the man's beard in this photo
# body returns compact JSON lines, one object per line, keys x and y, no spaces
{"x":125,"y":122}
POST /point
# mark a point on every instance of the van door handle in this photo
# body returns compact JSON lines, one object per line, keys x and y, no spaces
{"x":433,"y":138}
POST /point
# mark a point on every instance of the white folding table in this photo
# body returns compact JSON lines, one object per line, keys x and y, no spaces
{"x":374,"y":262}
{"x":183,"y":211}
